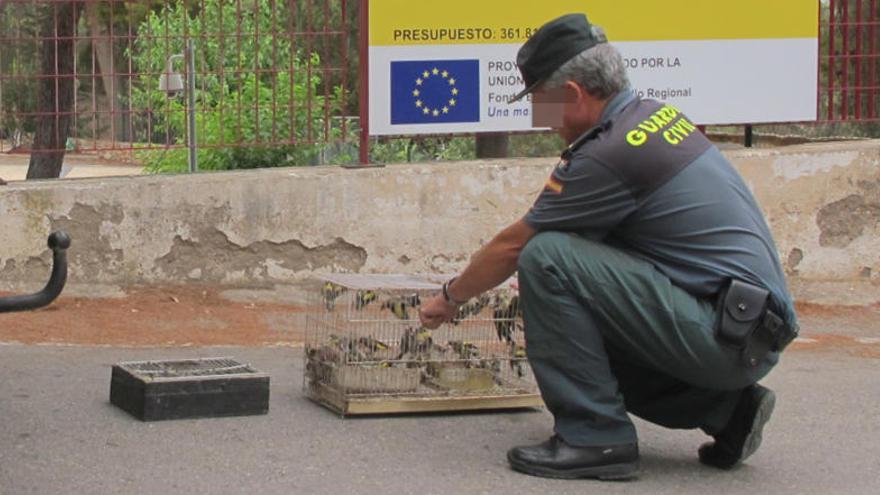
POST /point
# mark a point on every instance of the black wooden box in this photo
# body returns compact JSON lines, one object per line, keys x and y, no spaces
{"x":189,"y":388}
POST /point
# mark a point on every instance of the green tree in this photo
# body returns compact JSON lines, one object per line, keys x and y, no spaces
{"x":19,"y":59}
{"x":55,"y":91}
{"x":255,"y":87}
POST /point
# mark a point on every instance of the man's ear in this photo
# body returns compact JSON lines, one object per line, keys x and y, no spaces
{"x":575,"y":92}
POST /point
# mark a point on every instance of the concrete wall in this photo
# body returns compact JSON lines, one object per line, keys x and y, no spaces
{"x":266,"y":227}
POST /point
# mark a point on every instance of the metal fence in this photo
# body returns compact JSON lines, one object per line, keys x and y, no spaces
{"x":268,"y":73}
{"x":849,"y":79}
{"x":276,"y":80}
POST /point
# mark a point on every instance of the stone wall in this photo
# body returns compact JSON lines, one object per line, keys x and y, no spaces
{"x":278,"y":226}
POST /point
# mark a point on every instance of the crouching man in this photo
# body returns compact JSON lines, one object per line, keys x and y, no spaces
{"x":650,"y":283}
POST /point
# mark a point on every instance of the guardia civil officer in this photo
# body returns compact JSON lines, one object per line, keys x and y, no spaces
{"x":649,"y":280}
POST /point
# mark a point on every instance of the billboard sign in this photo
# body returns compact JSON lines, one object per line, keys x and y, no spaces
{"x":449,"y":67}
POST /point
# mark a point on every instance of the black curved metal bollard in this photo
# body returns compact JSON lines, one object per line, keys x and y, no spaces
{"x":58,"y":243}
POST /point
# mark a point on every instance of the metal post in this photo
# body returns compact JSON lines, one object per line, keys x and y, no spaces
{"x":493,"y":145}
{"x":832,"y":59}
{"x":364,"y":73}
{"x":857,"y":93}
{"x":874,"y":55}
{"x":845,"y":59}
{"x":749,"y":136}
{"x":191,"y":104}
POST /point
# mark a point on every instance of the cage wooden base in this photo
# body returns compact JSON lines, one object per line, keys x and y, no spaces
{"x":364,"y":406}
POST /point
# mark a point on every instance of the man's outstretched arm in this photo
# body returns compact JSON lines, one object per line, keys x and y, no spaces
{"x":492,"y":264}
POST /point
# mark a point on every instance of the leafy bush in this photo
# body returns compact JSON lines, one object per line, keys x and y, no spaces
{"x":252,"y":90}
{"x":18,"y":57}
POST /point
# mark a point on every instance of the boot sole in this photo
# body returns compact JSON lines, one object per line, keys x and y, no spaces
{"x":611,"y":472}
{"x":765,"y":409}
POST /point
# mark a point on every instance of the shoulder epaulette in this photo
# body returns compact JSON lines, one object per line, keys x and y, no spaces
{"x":591,"y":134}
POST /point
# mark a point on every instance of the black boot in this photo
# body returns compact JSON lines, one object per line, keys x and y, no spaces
{"x":742,"y":435}
{"x":556,"y":459}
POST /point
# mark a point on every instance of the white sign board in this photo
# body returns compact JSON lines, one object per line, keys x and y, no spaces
{"x":436,"y":70}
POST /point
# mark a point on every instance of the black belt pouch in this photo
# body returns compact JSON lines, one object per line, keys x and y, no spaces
{"x":743,"y":307}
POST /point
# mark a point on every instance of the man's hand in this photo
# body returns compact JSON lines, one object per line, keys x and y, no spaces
{"x":492,"y":264}
{"x":436,"y":311}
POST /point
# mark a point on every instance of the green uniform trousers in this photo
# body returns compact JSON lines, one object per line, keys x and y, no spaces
{"x":607,"y":333}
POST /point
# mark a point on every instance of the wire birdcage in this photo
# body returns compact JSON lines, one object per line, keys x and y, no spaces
{"x":366,"y":352}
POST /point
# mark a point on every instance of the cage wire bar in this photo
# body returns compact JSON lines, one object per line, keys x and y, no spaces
{"x":273,"y":74}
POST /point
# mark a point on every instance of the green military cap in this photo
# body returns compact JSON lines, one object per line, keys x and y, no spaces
{"x":554,"y":44}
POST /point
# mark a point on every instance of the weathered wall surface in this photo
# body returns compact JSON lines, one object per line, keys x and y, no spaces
{"x":823,"y":204}
{"x":266,"y":227}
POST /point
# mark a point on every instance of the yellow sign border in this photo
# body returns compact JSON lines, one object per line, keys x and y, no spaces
{"x":449,"y":22}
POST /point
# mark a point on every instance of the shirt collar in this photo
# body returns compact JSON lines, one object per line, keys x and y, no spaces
{"x":617,"y":103}
{"x":614,"y":106}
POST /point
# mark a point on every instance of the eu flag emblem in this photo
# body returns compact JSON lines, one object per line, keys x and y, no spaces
{"x":435,"y":91}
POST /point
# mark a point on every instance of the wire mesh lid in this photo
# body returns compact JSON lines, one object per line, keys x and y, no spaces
{"x":362,"y":281}
{"x":184,"y":368}
{"x":376,"y":281}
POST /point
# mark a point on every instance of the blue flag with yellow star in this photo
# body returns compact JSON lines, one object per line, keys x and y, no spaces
{"x":435,"y":91}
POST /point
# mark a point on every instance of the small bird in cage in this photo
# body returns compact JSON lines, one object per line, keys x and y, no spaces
{"x":336,"y":342}
{"x":324,"y":354}
{"x":349,"y":348}
{"x":471,"y":308}
{"x":364,"y":349}
{"x":319,"y":359}
{"x":400,"y":305}
{"x":371,"y":344}
{"x":364,"y":298}
{"x":467,"y":352}
{"x":329,"y":293}
{"x":346,"y":349}
{"x":517,"y":355}
{"x":493,"y":365}
{"x":506,"y":310}
{"x":415,"y":343}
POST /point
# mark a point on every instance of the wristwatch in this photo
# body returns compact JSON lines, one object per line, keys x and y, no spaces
{"x":447,"y":296}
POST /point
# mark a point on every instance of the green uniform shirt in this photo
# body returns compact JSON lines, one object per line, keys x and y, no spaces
{"x":648,"y":182}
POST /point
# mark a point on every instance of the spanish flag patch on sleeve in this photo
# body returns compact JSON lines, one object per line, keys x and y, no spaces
{"x":553,"y":185}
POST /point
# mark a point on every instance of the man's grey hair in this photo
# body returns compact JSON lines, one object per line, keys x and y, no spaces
{"x":600,"y":70}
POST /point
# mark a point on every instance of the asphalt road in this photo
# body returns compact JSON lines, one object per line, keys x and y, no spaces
{"x":60,"y":435}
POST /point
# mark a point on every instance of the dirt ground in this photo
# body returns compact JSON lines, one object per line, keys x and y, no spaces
{"x":101,"y":152}
{"x":178,"y":316}
{"x":200,"y":316}
{"x":107,"y":163}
